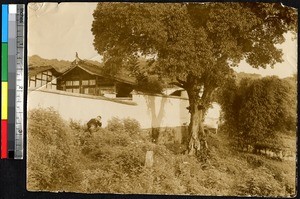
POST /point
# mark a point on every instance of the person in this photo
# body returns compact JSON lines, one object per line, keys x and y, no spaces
{"x":94,"y":123}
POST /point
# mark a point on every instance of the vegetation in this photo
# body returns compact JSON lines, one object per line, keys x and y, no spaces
{"x":192,"y":44}
{"x":67,"y":158}
{"x":259,"y":111}
{"x":51,"y":153}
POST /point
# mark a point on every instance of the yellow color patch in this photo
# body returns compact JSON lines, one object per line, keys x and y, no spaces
{"x":4,"y":100}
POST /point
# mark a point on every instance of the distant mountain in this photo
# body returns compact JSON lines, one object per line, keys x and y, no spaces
{"x":59,"y":65}
{"x":93,"y":62}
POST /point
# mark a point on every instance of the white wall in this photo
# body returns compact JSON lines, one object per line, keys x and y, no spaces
{"x":150,"y":111}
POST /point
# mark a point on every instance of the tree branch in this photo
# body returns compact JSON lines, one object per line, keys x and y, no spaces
{"x":180,"y":81}
{"x":178,"y":84}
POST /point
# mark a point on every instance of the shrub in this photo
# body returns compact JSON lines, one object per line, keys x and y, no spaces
{"x":76,"y":125}
{"x":260,"y":182}
{"x":115,"y":124}
{"x":131,"y":125}
{"x":51,"y":154}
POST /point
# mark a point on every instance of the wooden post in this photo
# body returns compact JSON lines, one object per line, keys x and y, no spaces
{"x":149,"y":159}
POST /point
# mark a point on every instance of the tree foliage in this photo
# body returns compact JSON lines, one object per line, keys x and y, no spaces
{"x":256,"y":110}
{"x":192,"y":44}
{"x":201,"y":40}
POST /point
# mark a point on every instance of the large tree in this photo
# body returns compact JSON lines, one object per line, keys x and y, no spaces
{"x":194,"y":45}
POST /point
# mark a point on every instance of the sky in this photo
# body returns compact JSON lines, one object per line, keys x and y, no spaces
{"x":58,"y":31}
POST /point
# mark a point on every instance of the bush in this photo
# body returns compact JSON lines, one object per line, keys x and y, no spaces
{"x":51,"y":153}
{"x":132,"y":126}
{"x":260,"y":182}
{"x":76,"y":125}
{"x":115,"y":124}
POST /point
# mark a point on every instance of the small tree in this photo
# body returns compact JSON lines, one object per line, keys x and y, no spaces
{"x":257,"y":109}
{"x":191,"y":44}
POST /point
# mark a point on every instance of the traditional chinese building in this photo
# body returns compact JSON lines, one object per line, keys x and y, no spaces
{"x":84,"y":77}
{"x":43,"y":77}
{"x":87,"y":78}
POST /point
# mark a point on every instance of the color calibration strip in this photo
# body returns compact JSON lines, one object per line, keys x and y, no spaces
{"x":4,"y":83}
{"x":12,"y":66}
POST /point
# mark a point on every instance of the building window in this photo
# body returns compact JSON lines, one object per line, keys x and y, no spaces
{"x":85,"y":90}
{"x":68,"y":83}
{"x":85,"y":82}
{"x":92,"y":82}
{"x":44,"y":77}
{"x":75,"y":83}
{"x":86,"y":86}
{"x":73,"y":86}
{"x":38,"y":83}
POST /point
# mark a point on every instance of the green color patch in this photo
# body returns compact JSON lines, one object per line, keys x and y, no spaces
{"x":4,"y":62}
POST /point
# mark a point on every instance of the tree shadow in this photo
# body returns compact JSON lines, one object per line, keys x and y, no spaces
{"x":156,"y":118}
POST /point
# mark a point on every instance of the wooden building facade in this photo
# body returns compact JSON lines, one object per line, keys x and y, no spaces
{"x":86,"y":78}
{"x":43,"y":77}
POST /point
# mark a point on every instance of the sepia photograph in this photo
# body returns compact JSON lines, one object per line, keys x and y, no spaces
{"x":162,"y":98}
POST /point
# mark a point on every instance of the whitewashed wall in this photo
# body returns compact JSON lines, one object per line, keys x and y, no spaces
{"x":150,"y":111}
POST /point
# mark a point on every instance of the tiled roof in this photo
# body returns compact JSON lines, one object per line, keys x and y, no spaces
{"x":38,"y":64}
{"x":97,"y":70}
{"x":38,"y":69}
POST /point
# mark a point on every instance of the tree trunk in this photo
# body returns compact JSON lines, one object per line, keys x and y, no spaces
{"x":197,"y":141}
{"x":197,"y":144}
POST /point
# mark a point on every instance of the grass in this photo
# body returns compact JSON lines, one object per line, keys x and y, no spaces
{"x":64,"y":158}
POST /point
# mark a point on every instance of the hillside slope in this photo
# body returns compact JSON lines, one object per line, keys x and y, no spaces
{"x":65,"y":157}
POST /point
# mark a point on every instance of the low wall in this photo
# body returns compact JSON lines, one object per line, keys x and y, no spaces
{"x":150,"y":111}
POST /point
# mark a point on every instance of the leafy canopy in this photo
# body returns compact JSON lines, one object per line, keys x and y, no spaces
{"x":190,"y":42}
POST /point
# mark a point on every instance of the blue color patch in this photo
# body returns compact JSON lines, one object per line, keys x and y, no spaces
{"x":4,"y":23}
